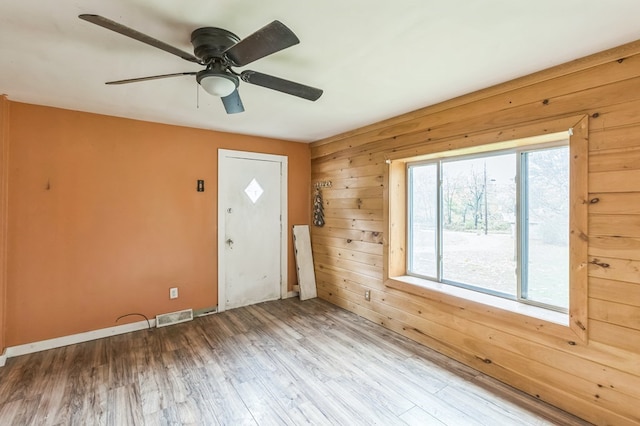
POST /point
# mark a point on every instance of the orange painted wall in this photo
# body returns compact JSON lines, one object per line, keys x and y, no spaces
{"x":104,"y":217}
{"x":4,"y":161}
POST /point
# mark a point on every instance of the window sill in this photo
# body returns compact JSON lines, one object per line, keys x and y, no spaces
{"x":427,"y":288}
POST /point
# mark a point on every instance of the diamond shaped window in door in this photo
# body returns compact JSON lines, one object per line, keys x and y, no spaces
{"x":253,"y":191}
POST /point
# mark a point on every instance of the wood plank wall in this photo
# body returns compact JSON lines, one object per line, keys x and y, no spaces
{"x":597,"y":379}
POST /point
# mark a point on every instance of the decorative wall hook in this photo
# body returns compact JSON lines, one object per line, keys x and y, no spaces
{"x":323,"y":184}
{"x":318,"y":212}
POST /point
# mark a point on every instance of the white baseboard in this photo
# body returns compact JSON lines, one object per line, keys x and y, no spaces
{"x":59,"y":342}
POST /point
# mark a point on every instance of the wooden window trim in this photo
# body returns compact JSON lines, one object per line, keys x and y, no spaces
{"x":395,"y":218}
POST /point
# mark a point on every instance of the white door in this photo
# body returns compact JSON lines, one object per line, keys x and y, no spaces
{"x":251,"y":224}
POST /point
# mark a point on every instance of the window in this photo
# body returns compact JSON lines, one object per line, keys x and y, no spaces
{"x":528,"y":143}
{"x":494,"y":222}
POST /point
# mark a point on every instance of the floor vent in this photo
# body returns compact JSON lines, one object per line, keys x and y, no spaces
{"x":174,"y":318}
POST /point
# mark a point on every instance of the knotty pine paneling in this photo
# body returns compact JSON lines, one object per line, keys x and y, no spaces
{"x":614,"y":203}
{"x":614,"y":137}
{"x":352,"y":213}
{"x":349,"y":235}
{"x":617,"y":225}
{"x":348,"y":244}
{"x":624,"y":338}
{"x":614,"y":291}
{"x":615,"y":269}
{"x":617,"y":159}
{"x":614,"y":180}
{"x":367,"y":259}
{"x":597,"y":379}
{"x":618,"y":247}
{"x":620,"y":314}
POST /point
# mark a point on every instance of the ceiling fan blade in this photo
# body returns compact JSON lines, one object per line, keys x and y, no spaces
{"x":281,"y":85}
{"x":152,"y":77}
{"x":136,"y":35}
{"x":267,"y":40}
{"x":233,"y":103}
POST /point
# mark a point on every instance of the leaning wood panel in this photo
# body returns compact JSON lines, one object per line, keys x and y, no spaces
{"x":304,"y":262}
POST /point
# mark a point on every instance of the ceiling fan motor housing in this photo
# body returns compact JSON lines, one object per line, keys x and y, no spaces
{"x":210,"y":42}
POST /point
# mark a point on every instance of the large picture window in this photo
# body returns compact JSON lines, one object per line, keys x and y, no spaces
{"x":496,"y":222}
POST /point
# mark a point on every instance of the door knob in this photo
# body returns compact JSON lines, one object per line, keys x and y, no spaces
{"x":230,"y":243}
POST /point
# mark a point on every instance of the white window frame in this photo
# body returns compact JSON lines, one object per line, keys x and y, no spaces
{"x":520,"y":235}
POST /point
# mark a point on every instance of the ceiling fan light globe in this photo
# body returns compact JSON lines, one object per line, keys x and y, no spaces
{"x":218,"y":85}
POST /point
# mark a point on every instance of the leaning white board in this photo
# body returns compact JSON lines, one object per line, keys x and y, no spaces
{"x":304,"y":262}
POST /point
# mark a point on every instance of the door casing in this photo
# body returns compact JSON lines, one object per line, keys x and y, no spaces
{"x":222,"y":155}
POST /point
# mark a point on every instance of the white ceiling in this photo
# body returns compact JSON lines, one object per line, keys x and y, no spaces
{"x":374,"y":59}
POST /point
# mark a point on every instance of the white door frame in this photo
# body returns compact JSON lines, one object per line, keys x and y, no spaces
{"x":222,"y":155}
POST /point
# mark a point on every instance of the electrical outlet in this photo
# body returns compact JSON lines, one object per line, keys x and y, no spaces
{"x":173,"y":293}
{"x":367,"y":295}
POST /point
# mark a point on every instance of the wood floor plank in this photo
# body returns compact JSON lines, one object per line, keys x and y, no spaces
{"x":284,"y":362}
{"x":416,"y":416}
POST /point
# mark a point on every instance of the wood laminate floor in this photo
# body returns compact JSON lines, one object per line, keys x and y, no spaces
{"x":282,"y":362}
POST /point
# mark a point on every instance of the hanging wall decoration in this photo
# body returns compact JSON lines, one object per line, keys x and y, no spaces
{"x":318,"y":213}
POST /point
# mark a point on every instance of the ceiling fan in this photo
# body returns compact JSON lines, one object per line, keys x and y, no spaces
{"x":219,"y":50}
